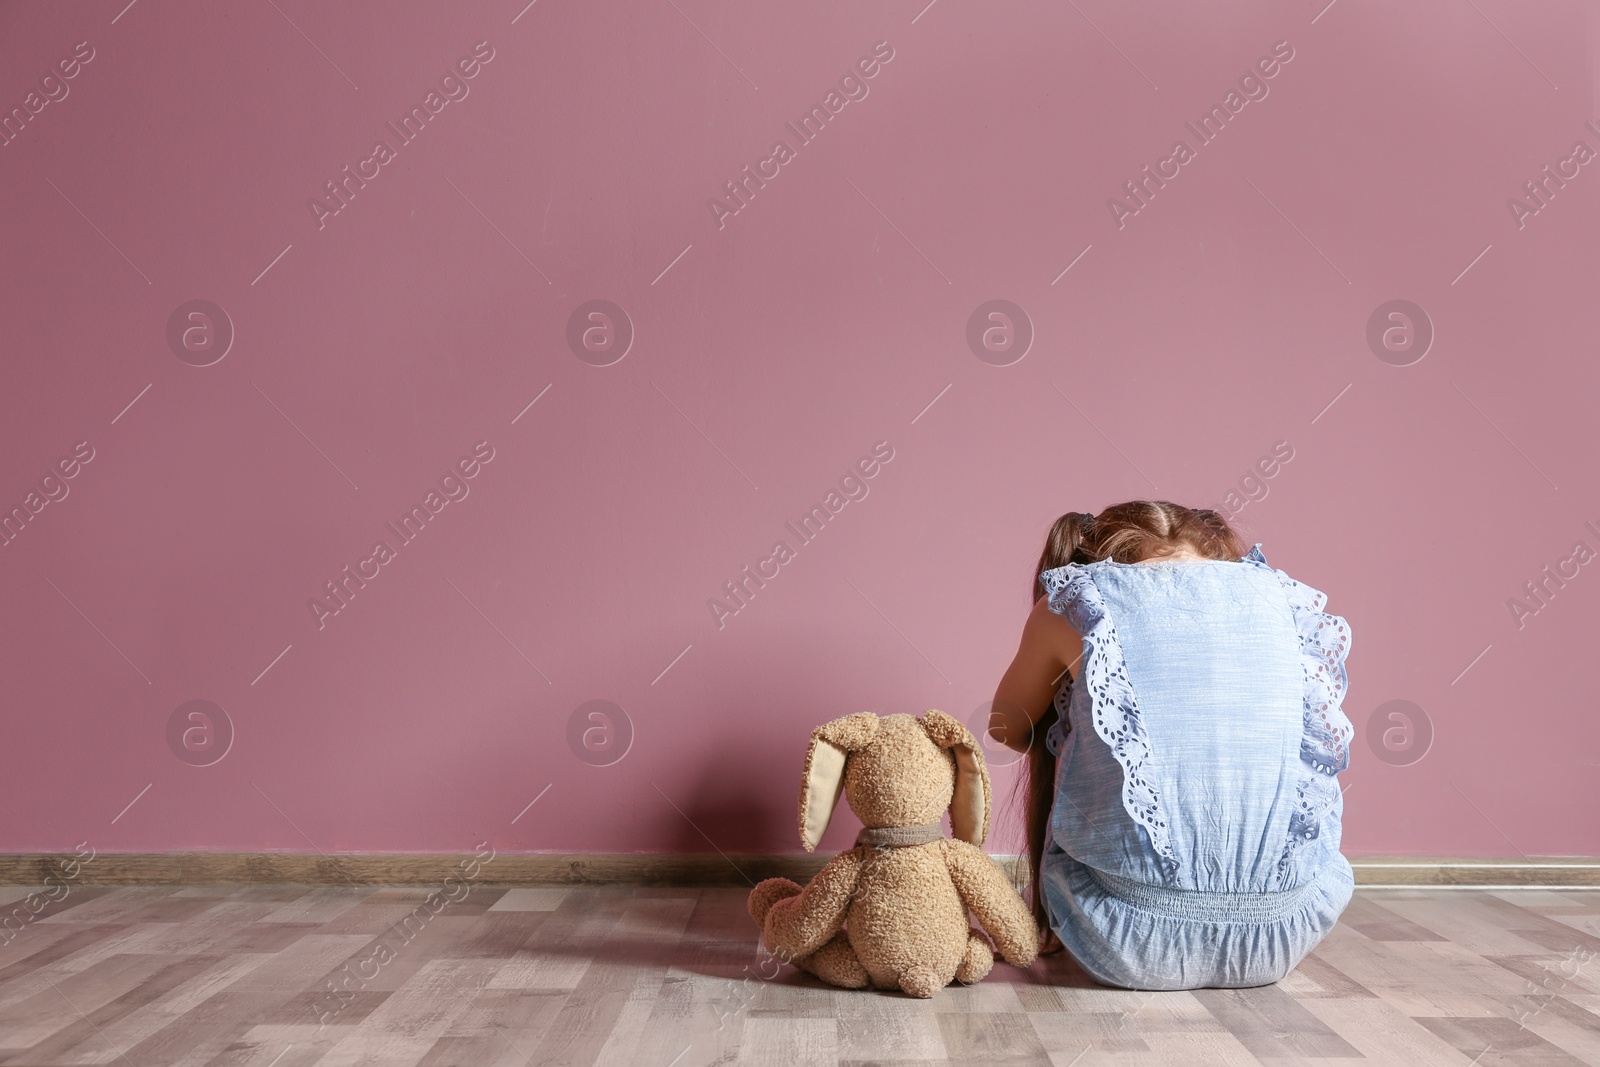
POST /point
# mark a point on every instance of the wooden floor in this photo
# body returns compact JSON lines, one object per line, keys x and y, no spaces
{"x":228,"y":975}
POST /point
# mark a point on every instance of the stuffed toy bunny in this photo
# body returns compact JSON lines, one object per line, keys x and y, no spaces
{"x":892,"y":911}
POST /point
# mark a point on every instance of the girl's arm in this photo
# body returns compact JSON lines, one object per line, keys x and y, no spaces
{"x":1049,"y":647}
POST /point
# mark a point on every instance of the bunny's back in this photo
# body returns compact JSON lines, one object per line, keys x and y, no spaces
{"x":906,"y":913}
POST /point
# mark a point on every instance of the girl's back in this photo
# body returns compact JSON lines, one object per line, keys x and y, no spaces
{"x":1192,"y":706}
{"x":1193,"y":831}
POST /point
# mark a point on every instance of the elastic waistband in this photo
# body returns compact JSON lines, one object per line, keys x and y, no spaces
{"x":1210,"y":907}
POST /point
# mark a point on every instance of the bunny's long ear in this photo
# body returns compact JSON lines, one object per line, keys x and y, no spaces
{"x":823,"y":779}
{"x":969,"y":804}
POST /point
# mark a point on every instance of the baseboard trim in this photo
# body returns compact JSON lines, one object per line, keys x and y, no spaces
{"x":650,"y":869}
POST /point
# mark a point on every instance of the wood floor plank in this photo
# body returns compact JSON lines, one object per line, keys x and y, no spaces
{"x":512,"y":1011}
{"x":1590,"y":1004}
{"x":684,"y":1042}
{"x":583,"y":1026}
{"x":64,"y":1002}
{"x":1494,"y":1041}
{"x":991,"y":1037}
{"x":317,"y":1008}
{"x":1420,"y":978}
{"x":1115,"y":1033}
{"x":208,"y":1028}
{"x":690,"y":1008}
{"x":211,"y":934}
{"x":1548,"y":901}
{"x":556,"y":954}
{"x":1520,"y":917}
{"x":54,"y":952}
{"x":238,"y":976}
{"x":414,"y":1016}
{"x":1370,"y":914}
{"x":622,"y":1045}
{"x":300,"y":963}
{"x":318,"y":904}
{"x":493,"y":935}
{"x":122,"y":1022}
{"x":1273,"y":1025}
{"x":997,"y":993}
{"x":380,"y":1049}
{"x":1479,"y":928}
{"x":1382,"y":1032}
{"x":87,"y":953}
{"x":275,"y":1046}
{"x":172,"y":1005}
{"x":396,"y":953}
{"x":532,"y":899}
{"x":1566,"y":933}
{"x":1550,"y":974}
{"x":1558,"y":933}
{"x":1316,"y":977}
{"x":774,"y":1039}
{"x":1466,"y":971}
{"x":1203,"y":1050}
{"x":723,"y":915}
{"x":693,"y":1017}
{"x":1153,"y":1015}
{"x":481,"y":1050}
{"x":139,"y":904}
{"x":878,"y":1028}
{"x":1566,"y":1026}
{"x":76,"y":898}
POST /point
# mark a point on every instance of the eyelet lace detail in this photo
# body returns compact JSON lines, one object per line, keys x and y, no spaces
{"x":1325,"y":741}
{"x":1055,"y":738}
{"x":1115,"y":713}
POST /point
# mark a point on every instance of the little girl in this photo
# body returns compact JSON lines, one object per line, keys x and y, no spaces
{"x":1184,"y":813}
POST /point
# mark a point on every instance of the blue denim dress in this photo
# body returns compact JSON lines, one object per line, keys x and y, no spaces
{"x":1194,"y":837}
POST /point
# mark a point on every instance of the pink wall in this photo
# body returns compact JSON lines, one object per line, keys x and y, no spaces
{"x":375,"y":347}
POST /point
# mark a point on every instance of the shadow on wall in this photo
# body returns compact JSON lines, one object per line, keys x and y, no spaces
{"x":720,"y":809}
{"x":742,"y":791}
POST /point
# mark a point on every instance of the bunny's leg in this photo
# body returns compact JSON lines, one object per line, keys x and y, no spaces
{"x":836,"y":964}
{"x":768,"y":893}
{"x":922,"y":981}
{"x":978,"y":961}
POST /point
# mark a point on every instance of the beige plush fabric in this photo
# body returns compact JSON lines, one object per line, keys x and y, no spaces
{"x":896,"y":918}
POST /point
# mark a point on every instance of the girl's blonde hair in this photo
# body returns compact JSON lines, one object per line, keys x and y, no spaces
{"x":1126,"y":533}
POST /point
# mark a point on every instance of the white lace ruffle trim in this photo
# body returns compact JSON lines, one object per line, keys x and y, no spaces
{"x":1326,"y":732}
{"x":1115,"y":712}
